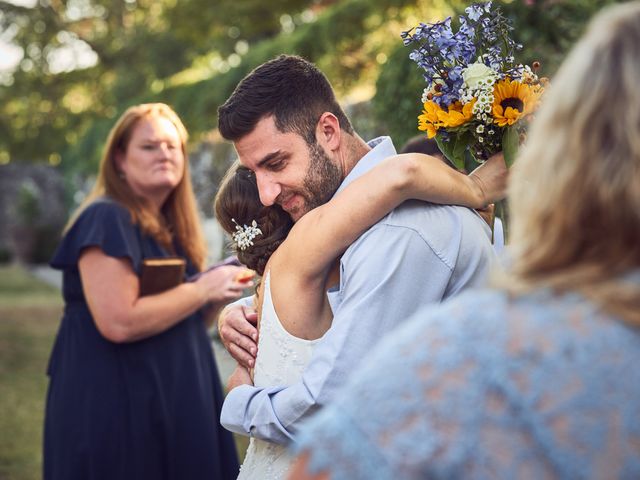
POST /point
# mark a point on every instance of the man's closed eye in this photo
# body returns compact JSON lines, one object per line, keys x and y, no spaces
{"x":276,"y":166}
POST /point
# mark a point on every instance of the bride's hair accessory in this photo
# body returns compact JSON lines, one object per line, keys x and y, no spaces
{"x":244,"y":235}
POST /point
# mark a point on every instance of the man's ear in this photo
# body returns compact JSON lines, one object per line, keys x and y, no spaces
{"x":328,"y":133}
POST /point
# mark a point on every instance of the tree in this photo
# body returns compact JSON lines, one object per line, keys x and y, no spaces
{"x":86,"y":60}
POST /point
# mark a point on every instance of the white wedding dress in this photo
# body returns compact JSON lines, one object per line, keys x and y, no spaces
{"x":281,"y":360}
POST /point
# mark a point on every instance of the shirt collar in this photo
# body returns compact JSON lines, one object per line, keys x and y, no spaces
{"x":381,"y":148}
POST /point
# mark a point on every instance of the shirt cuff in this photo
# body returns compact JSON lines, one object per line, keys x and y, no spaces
{"x":244,"y":302}
{"x":247,"y":410}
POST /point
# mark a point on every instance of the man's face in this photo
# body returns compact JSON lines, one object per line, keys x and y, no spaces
{"x":289,"y":172}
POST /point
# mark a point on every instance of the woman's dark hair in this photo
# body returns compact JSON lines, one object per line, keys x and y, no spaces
{"x":238,"y":199}
{"x":422,"y":144}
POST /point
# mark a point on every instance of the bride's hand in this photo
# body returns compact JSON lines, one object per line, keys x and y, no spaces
{"x":490,"y":179}
{"x":240,"y":376}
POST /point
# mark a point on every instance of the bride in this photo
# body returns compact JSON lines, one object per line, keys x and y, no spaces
{"x":298,"y":262}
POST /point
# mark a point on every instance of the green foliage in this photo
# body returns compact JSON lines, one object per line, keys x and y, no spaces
{"x":548,"y":29}
{"x":165,"y":50}
{"x":336,"y":41}
{"x":47,"y":108}
{"x":162,"y":51}
{"x":397,"y":100}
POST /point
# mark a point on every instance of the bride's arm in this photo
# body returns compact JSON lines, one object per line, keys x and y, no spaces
{"x":325,"y":232}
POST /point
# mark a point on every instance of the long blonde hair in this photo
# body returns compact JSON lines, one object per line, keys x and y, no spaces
{"x":179,"y":210}
{"x":575,"y":189}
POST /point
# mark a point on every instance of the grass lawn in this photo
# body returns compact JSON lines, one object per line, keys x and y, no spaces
{"x":29,"y":315}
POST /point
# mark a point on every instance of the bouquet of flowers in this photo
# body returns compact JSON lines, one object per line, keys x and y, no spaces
{"x":477,"y":99}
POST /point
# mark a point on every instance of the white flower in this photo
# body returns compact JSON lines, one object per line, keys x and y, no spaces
{"x":477,"y":74}
{"x":424,"y":98}
{"x":480,"y":129}
{"x":243,"y":236}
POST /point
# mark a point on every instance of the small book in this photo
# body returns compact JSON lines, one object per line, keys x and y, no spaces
{"x":160,"y":274}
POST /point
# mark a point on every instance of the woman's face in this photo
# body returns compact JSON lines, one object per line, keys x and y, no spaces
{"x":153,"y":163}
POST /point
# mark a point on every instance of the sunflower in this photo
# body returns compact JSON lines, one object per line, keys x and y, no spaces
{"x":428,"y":121}
{"x":457,"y":114}
{"x":513,"y":100}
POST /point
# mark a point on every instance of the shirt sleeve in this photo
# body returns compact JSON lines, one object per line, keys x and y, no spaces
{"x":103,"y":224}
{"x":243,"y":302}
{"x":387,"y":275}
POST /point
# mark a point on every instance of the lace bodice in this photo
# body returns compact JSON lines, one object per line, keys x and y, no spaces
{"x":485,"y":386}
{"x":281,"y":360}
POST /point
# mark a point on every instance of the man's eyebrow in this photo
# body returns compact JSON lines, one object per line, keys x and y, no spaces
{"x":277,"y":155}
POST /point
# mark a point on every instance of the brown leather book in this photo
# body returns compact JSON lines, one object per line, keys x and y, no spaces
{"x":160,"y":274}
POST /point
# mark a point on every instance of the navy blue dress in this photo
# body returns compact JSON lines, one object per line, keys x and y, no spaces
{"x":147,"y":409}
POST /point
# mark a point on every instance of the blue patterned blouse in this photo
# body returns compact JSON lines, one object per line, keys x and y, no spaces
{"x":487,"y":386}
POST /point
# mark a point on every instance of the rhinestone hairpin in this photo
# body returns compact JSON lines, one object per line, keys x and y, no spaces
{"x":244,"y":235}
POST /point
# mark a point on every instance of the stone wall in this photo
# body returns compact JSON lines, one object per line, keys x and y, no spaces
{"x":31,"y":203}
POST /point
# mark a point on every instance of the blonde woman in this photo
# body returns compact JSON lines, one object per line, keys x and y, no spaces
{"x":134,"y":391}
{"x":537,"y":378}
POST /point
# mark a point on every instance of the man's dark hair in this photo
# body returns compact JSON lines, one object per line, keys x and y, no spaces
{"x":288,"y":87}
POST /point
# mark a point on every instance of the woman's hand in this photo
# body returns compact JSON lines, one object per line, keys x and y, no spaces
{"x":240,"y":376}
{"x":223,"y":284}
{"x":490,"y":180}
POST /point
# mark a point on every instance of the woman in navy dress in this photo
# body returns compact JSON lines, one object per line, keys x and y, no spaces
{"x":134,"y":391}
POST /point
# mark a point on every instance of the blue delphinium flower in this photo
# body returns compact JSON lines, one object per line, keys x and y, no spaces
{"x":475,"y":11}
{"x":471,"y":74}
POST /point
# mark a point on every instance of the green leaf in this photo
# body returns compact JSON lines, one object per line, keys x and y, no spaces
{"x":454,"y":149}
{"x":470,"y":161}
{"x":460,"y":147}
{"x":446,"y":148}
{"x":510,"y":144}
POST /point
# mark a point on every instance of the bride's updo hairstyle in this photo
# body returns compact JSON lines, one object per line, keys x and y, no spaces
{"x":238,"y":199}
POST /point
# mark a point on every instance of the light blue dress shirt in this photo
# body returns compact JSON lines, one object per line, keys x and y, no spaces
{"x":418,"y":254}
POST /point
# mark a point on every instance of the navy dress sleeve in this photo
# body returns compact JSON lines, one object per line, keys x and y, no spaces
{"x":103,"y":224}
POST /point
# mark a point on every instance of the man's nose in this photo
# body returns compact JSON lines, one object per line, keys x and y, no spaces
{"x":268,"y":190}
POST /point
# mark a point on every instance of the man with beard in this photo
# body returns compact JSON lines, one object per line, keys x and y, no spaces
{"x":288,"y":128}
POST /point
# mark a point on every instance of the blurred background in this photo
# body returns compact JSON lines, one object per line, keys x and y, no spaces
{"x":69,"y":68}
